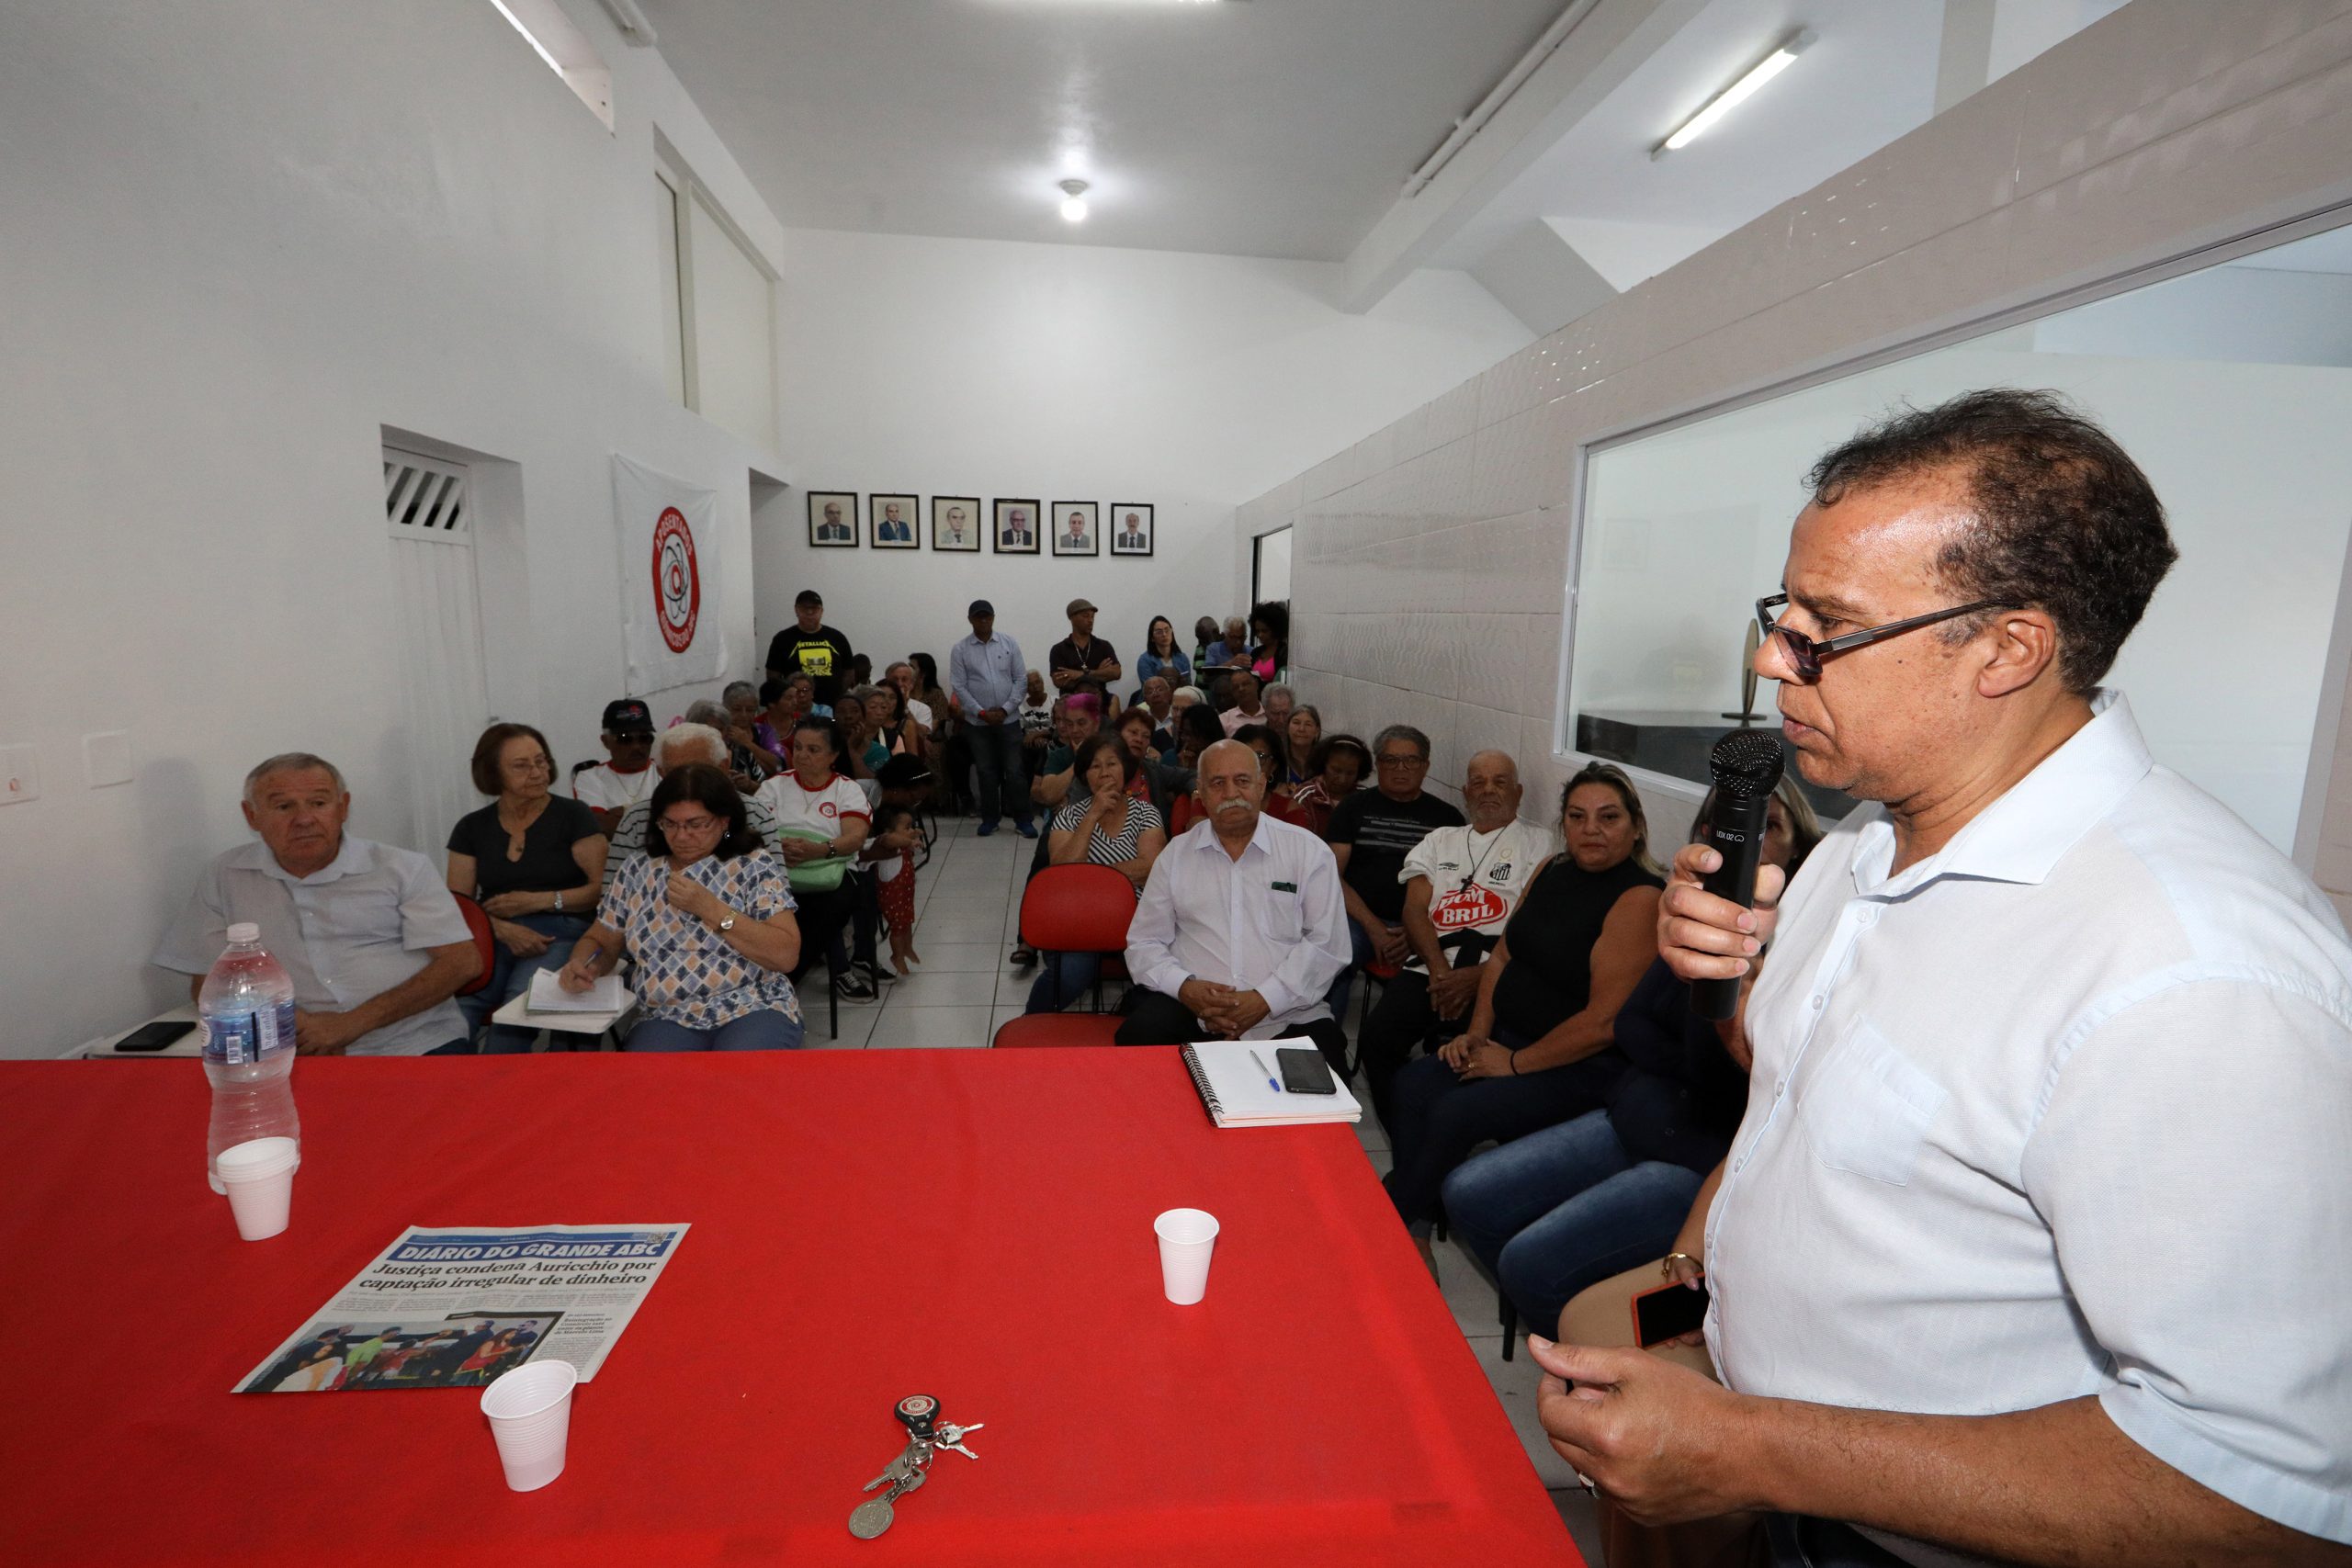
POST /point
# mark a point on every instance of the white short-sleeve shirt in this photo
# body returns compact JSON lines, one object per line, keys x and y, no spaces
{"x":2064,"y":1109}
{"x":606,"y":790}
{"x":819,"y":810}
{"x":1476,"y":879}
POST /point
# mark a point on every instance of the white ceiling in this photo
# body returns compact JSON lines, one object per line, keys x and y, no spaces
{"x":1869,"y":78}
{"x":1274,"y":128}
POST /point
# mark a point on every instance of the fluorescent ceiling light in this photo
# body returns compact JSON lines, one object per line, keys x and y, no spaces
{"x":1731,"y":98}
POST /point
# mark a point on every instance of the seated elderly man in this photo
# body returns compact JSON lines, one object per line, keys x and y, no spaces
{"x":1461,"y":886}
{"x":368,"y":933}
{"x":674,"y":748}
{"x":1241,"y":928}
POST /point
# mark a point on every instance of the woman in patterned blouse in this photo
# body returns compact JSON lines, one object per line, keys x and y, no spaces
{"x":706,"y":915}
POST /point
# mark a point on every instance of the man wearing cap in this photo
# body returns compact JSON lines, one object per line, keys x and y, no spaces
{"x":1082,"y":654}
{"x":368,"y":933}
{"x":613,"y":786}
{"x":811,"y":648}
{"x":984,"y":675}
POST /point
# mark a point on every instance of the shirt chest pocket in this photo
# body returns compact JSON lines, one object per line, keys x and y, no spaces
{"x":1280,"y":914}
{"x":1869,"y":1110}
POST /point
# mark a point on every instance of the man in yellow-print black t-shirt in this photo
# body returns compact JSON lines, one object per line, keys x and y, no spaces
{"x":811,"y":649}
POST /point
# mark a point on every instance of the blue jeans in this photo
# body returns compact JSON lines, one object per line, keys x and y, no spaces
{"x":510,"y":976}
{"x":996,"y":759}
{"x":1439,"y":1119}
{"x":768,"y":1031}
{"x":1062,"y":979}
{"x":1564,"y":1208}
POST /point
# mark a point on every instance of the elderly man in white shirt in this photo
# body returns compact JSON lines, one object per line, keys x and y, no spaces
{"x":2034,"y":1244}
{"x":369,"y":933}
{"x":1241,"y":928}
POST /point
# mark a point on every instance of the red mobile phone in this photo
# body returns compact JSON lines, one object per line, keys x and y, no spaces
{"x":1668,"y":1312}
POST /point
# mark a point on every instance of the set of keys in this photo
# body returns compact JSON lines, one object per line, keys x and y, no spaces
{"x":926,"y":1434}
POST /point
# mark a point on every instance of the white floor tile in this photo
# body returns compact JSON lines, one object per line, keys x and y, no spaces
{"x":961,"y":929}
{"x":956,"y":957}
{"x":944,"y":987}
{"x":901,"y":1027}
{"x":999,"y":1017}
{"x":856,"y":1024}
{"x":981,"y":904}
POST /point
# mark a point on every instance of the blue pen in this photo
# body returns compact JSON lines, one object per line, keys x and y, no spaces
{"x":1269,"y":1077}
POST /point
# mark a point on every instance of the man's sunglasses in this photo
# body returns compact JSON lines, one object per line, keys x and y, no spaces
{"x":1805,"y":654}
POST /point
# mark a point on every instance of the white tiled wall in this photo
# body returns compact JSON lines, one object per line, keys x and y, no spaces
{"x":1431,"y":557}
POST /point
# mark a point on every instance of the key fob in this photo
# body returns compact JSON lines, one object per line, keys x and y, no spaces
{"x":920,"y":1412}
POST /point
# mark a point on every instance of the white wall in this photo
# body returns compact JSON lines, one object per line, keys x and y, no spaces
{"x":1435,"y":540}
{"x":243,"y":237}
{"x":1068,"y":373}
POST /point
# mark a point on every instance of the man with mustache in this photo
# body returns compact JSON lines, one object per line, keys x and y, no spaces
{"x":1241,"y":928}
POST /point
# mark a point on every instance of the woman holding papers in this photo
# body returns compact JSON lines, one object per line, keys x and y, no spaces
{"x":706,"y":915}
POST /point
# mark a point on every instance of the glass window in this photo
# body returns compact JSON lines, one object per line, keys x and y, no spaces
{"x":2231,"y":387}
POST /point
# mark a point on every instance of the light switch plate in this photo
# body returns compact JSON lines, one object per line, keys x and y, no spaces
{"x":19,"y":775}
{"x":106,"y":757}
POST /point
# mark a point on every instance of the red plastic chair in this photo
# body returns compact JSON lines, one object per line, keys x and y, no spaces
{"x":485,"y":942}
{"x":1036,"y":1030}
{"x":1078,"y":908}
{"x":1182,"y":813}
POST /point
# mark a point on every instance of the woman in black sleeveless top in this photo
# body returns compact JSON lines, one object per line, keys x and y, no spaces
{"x":1538,"y":1049}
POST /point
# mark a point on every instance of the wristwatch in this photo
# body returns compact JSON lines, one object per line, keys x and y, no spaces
{"x":727,"y":925}
{"x":559,"y":902}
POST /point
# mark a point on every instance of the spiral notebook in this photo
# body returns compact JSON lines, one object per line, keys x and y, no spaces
{"x":1237,"y":1093}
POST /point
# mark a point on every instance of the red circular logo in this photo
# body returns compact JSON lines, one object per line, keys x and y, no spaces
{"x":677,"y":582}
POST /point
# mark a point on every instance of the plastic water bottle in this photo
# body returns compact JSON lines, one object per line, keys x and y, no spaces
{"x":247,"y":1010}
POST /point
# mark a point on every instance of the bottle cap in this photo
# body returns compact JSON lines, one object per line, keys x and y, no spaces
{"x":245,"y":931}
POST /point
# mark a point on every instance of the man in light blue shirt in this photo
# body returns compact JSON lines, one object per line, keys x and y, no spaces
{"x":986,"y":676}
{"x":369,"y":934}
{"x":2032,"y":1245}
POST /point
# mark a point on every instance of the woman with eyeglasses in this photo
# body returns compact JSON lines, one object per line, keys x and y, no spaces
{"x":1538,"y":1050}
{"x":705,"y":915}
{"x":534,"y":860}
{"x":1161,"y":656}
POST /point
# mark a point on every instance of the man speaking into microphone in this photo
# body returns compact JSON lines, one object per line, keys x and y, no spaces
{"x":2035,"y":1244}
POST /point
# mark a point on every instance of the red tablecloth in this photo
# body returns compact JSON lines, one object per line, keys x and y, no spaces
{"x":867,"y":1224}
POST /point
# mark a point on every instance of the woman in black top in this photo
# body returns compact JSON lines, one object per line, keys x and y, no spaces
{"x":1572,"y":1205}
{"x":535,"y":860}
{"x":1537,"y":1050}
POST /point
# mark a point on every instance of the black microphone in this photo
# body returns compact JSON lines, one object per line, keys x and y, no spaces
{"x":1746,"y":766}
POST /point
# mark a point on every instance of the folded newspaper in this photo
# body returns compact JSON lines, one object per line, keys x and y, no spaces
{"x":456,"y":1308}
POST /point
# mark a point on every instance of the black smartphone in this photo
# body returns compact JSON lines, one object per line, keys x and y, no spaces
{"x":1668,"y":1312}
{"x":1304,"y":1071}
{"x":154,"y":1036}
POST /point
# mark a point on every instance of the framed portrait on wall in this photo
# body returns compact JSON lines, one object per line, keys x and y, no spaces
{"x":892,"y":518}
{"x":832,"y":519}
{"x":955,"y":521}
{"x":1016,"y":528}
{"x":1130,"y":529}
{"x":1075,"y":532}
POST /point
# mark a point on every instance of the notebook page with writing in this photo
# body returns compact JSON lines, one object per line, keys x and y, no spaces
{"x":1235,"y":1092}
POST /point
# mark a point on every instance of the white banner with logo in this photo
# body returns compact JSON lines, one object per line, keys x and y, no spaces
{"x":670,"y":602}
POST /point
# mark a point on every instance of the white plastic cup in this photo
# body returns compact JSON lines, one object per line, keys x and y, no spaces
{"x":1187,"y":1236}
{"x":258,"y":1176}
{"x":531,"y":1414}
